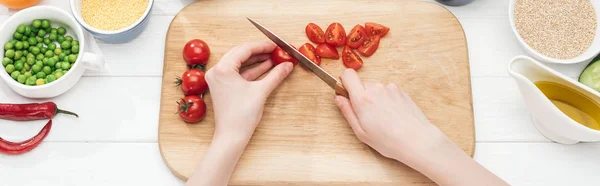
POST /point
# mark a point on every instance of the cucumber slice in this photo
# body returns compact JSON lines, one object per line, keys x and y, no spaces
{"x":591,"y":76}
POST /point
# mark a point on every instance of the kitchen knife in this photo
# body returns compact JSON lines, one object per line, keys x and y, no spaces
{"x":317,"y":70}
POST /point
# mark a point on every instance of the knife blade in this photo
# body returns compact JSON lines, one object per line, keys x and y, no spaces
{"x":315,"y":69}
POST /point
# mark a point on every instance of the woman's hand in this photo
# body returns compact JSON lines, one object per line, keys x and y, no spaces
{"x":238,"y":98}
{"x":387,"y":119}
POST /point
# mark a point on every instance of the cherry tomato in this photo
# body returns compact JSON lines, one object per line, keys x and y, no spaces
{"x":315,"y":33}
{"x":192,"y":109}
{"x":192,"y":82}
{"x":279,"y":56}
{"x":376,"y":29}
{"x":357,"y":36}
{"x":308,"y":50}
{"x":327,"y":51}
{"x":335,"y":35}
{"x":369,"y":46}
{"x":351,"y":59}
{"x":196,"y":52}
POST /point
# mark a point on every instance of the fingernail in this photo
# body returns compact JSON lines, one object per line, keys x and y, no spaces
{"x":288,"y":66}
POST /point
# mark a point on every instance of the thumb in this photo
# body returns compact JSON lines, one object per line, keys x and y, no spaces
{"x":345,"y":106}
{"x":276,"y":76}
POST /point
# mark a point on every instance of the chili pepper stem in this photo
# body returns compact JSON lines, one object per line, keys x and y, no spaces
{"x":66,"y":112}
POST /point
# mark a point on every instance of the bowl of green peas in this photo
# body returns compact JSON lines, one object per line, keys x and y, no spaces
{"x":44,"y":52}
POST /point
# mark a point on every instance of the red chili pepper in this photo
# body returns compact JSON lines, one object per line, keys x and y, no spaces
{"x":7,"y":147}
{"x":31,"y":111}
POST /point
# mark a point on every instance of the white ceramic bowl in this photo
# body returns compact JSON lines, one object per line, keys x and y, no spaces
{"x":58,"y":17}
{"x":117,"y":36}
{"x":586,"y":56}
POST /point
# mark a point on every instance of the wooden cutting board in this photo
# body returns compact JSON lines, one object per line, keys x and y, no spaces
{"x":303,"y":138}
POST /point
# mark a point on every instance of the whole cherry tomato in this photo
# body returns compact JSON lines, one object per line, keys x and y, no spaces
{"x":327,"y":51}
{"x":192,"y":82}
{"x":308,"y":50}
{"x":376,"y":29}
{"x":369,"y":46}
{"x":315,"y":33}
{"x":191,"y":109}
{"x":279,"y":56}
{"x":351,"y":59}
{"x":356,"y":37}
{"x":196,"y":52}
{"x":335,"y":35}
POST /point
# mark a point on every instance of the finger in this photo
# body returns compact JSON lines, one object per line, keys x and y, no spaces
{"x":255,"y":59}
{"x":242,"y":53}
{"x":352,"y":83}
{"x":256,"y":71}
{"x":276,"y":76}
{"x":346,"y":108}
{"x":393,"y":88}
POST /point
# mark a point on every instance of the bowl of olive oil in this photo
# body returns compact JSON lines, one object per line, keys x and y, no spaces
{"x":562,"y":109}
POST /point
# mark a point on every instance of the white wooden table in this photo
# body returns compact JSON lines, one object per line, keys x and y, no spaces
{"x":114,"y":142}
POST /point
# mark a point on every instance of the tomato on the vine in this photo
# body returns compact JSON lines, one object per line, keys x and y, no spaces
{"x":308,"y":50}
{"x":192,"y":82}
{"x":196,"y":52}
{"x":191,"y":109}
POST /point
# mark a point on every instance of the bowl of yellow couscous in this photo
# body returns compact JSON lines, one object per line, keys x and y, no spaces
{"x":112,"y":21}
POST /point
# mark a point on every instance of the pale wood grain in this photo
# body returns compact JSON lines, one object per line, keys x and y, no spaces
{"x":303,"y":139}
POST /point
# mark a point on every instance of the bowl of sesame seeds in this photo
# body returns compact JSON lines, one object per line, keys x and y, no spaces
{"x":112,"y":21}
{"x":557,"y":31}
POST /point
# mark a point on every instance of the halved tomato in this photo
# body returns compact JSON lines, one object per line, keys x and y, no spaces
{"x":279,"y":56}
{"x":351,"y":59}
{"x":376,"y":29}
{"x":315,"y":33}
{"x":356,"y":37}
{"x":308,"y":50}
{"x":335,"y":35}
{"x":327,"y":51}
{"x":369,"y":46}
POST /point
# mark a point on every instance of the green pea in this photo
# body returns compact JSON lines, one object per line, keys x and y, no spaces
{"x":58,"y":65}
{"x":24,"y":38}
{"x":47,"y":41}
{"x":15,"y":74}
{"x":43,"y":50}
{"x":25,"y":52}
{"x":75,"y":49}
{"x":60,"y":39}
{"x":68,"y":38}
{"x":18,"y":36}
{"x":8,"y":46}
{"x":41,"y":33}
{"x":66,"y":58}
{"x":48,"y":29}
{"x":39,"y":57}
{"x":6,"y":61}
{"x":45,"y":23}
{"x":49,"y":53}
{"x":67,"y":52}
{"x":18,"y":66}
{"x":36,"y":23}
{"x":30,"y":80}
{"x":27,"y":74}
{"x":53,"y":37}
{"x":39,"y":63}
{"x":47,"y":70}
{"x":72,"y":58}
{"x":26,"y":45}
{"x":58,"y":51}
{"x":40,"y":75}
{"x":32,"y":34}
{"x":51,"y":46}
{"x":30,"y":55}
{"x":50,"y":78}
{"x":10,"y":68}
{"x":58,"y":74}
{"x":26,"y":67}
{"x":13,"y":41}
{"x":21,"y":78}
{"x":19,"y":45}
{"x":51,"y":63}
{"x":62,"y":30}
{"x":62,"y":55}
{"x":75,"y":42}
{"x":27,"y":30}
{"x":39,"y":39}
{"x":10,"y":54}
{"x":32,"y":41}
{"x":40,"y":81}
{"x":35,"y":30}
{"x":36,"y":68}
{"x":35,"y":50}
{"x":65,"y":45}
{"x":65,"y":66}
{"x":30,"y":61}
{"x":58,"y":70}
{"x":21,"y":28}
{"x":18,"y":54}
{"x":55,"y":58}
{"x":54,"y":30}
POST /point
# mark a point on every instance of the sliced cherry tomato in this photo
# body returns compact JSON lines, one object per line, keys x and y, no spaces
{"x":357,"y":36}
{"x":192,"y":82}
{"x":191,"y":109}
{"x":308,"y":50}
{"x":376,"y":29}
{"x":327,"y":51}
{"x":279,"y":56}
{"x":196,"y":52}
{"x":369,"y":46}
{"x":351,"y":59}
{"x":315,"y":33}
{"x":335,"y":35}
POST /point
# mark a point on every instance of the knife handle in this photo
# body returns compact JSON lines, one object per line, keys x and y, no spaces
{"x":340,"y":90}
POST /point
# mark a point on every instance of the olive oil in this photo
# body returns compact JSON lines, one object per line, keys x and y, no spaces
{"x":572,"y":103}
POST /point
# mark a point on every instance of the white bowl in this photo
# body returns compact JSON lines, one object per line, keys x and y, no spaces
{"x":586,"y":56}
{"x":58,"y":17}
